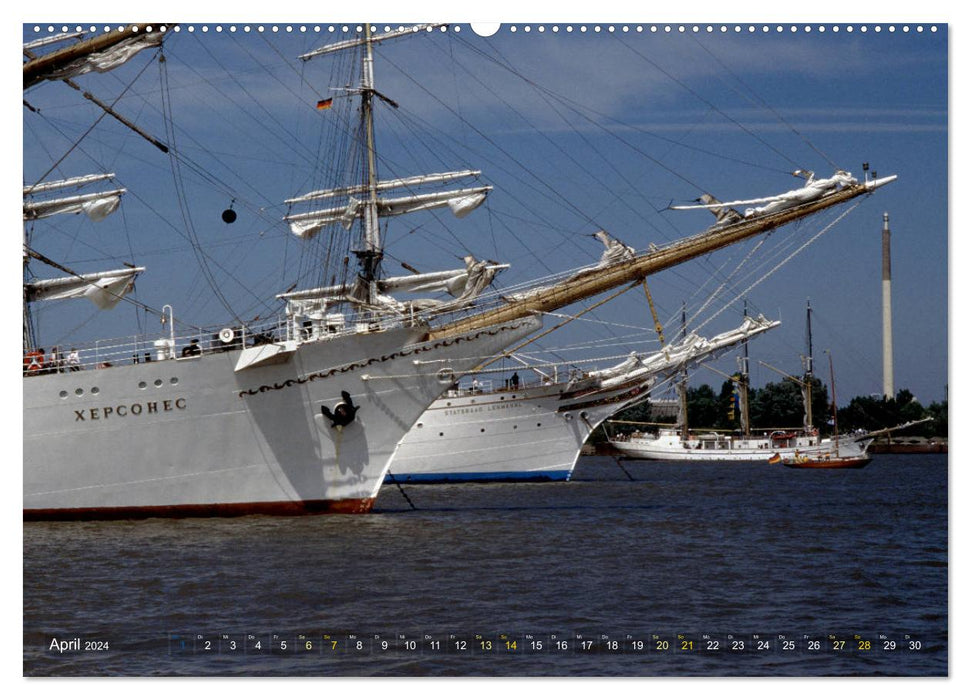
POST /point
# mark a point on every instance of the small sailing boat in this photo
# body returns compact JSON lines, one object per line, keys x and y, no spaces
{"x":823,"y":461}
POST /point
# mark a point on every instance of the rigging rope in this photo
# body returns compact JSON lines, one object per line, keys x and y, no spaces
{"x":590,"y":173}
{"x":97,"y":121}
{"x":183,"y":204}
{"x":786,"y":260}
{"x":577,"y":107}
{"x":718,"y":291}
{"x":555,"y":194}
{"x":710,"y":105}
{"x":603,"y":301}
{"x":766,"y":105}
{"x":548,"y":95}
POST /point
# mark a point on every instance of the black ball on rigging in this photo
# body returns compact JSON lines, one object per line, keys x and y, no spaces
{"x":229,"y":216}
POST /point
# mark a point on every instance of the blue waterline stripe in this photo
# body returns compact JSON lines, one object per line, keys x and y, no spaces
{"x":557,"y":475}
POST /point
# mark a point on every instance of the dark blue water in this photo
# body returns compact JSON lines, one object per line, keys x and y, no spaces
{"x":632,"y":569}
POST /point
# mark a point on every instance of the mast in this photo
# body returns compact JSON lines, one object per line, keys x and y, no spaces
{"x":370,"y":257}
{"x":683,"y":384}
{"x":371,"y":205}
{"x":595,"y":281}
{"x":29,"y":343}
{"x":807,"y":386}
{"x":744,"y":380}
{"x":832,"y":383}
{"x":887,"y":313}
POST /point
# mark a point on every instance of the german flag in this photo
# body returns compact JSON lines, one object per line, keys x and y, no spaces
{"x":325,"y":104}
{"x":775,"y":459}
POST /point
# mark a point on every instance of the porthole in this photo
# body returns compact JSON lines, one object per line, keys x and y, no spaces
{"x":142,"y":385}
{"x":441,"y":435}
{"x":421,"y":425}
{"x":173,"y":381}
{"x":95,"y":390}
{"x":63,"y":394}
{"x":158,"y":382}
{"x":79,"y":391}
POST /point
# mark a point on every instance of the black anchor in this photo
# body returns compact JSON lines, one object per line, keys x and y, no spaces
{"x":343,"y":413}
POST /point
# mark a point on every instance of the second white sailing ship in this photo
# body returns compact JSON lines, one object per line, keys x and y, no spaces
{"x":535,"y":432}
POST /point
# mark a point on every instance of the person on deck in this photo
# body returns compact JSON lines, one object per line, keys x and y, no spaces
{"x":192,"y":349}
{"x":73,"y":360}
{"x":54,"y":361}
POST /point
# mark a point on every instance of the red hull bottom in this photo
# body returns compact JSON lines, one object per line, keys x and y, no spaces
{"x":207,"y":510}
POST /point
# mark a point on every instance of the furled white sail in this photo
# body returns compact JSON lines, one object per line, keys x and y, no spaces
{"x":460,"y":202}
{"x":52,"y":39}
{"x":464,"y":285}
{"x":103,"y":289}
{"x":382,"y":185}
{"x":77,"y":181}
{"x":110,"y":58}
{"x":614,"y":250}
{"x":96,"y":205}
{"x":683,"y":353}
{"x":813,"y":190}
{"x":350,"y":43}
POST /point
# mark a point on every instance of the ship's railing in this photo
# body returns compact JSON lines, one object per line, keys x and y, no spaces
{"x":142,"y":348}
{"x":515,"y":378}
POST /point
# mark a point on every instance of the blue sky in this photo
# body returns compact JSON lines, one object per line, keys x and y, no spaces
{"x":622,"y":124}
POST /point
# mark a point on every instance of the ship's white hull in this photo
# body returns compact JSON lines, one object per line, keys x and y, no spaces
{"x":669,"y":446}
{"x":527,"y":434}
{"x":196,"y":437}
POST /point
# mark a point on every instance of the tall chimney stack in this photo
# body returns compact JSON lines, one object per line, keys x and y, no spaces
{"x":887,"y":313}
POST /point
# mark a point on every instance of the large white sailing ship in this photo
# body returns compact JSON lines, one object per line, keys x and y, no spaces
{"x":303,"y":414}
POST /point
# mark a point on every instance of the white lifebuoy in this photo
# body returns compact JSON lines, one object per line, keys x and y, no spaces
{"x":226,"y":335}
